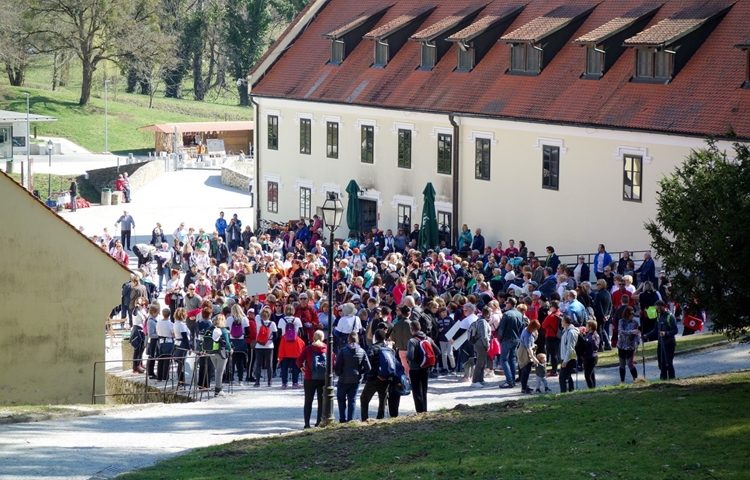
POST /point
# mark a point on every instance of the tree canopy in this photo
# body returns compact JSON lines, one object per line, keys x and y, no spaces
{"x":702,"y":233}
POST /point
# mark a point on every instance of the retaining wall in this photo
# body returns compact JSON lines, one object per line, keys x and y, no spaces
{"x":237,"y":174}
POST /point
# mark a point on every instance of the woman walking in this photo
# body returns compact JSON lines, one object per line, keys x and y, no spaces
{"x":591,"y":353}
{"x":629,"y":337}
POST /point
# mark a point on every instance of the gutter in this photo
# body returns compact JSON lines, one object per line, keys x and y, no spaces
{"x":456,"y":150}
{"x":256,"y":156}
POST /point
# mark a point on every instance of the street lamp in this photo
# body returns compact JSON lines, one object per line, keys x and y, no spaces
{"x":49,"y":172}
{"x":332,"y":212}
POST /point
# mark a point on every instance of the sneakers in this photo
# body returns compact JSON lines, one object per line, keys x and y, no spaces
{"x":220,"y":394}
{"x":527,"y":391}
{"x":538,"y":391}
{"x":283,"y":387}
{"x":506,"y":385}
{"x":256,"y":384}
{"x":477,"y":385}
{"x":547,"y":390}
{"x":296,"y":385}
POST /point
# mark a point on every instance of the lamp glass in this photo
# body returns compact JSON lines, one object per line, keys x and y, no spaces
{"x":332,"y":211}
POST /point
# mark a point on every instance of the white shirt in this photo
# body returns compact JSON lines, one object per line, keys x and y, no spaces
{"x":271,"y":327}
{"x":164,"y":328}
{"x":282,"y":324}
{"x":348,"y":325}
{"x":179,"y":328}
{"x":467,"y":321}
{"x":244,"y":322}
{"x":139,"y":317}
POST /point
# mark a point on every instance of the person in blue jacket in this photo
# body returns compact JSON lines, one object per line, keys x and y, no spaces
{"x":602,"y":259}
{"x":664,"y":331}
{"x":221,"y":226}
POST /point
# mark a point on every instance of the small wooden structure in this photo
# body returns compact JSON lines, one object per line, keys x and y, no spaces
{"x":236,"y":137}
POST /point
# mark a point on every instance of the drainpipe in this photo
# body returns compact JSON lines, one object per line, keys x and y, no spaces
{"x":456,"y":150}
{"x":256,"y":154}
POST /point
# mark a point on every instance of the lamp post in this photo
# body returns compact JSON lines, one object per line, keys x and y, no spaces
{"x":49,"y":171}
{"x":332,"y":213}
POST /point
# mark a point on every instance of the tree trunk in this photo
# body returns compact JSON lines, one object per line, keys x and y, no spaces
{"x":132,"y":80}
{"x":87,"y":78}
{"x":199,"y":90}
{"x":244,"y":97}
{"x":16,"y":74}
{"x":55,"y":70}
{"x":172,"y":82}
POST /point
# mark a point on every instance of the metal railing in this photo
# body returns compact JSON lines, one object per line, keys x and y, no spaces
{"x":571,"y":259}
{"x":172,"y":387}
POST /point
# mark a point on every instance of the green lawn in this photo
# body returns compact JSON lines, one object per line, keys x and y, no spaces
{"x":684,"y":344}
{"x":690,"y":429}
{"x":126,"y":114}
{"x":60,"y":183}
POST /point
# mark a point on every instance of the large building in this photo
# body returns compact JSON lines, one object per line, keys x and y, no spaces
{"x":546,"y":121}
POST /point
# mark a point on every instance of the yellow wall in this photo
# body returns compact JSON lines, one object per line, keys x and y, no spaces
{"x":56,"y":290}
{"x":587,"y":209}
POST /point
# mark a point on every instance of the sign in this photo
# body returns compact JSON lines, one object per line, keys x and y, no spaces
{"x":256,"y":283}
{"x":215,"y":145}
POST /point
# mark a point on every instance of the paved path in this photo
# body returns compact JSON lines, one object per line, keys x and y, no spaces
{"x":106,"y":445}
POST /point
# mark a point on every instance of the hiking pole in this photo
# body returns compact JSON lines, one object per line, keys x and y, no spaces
{"x":643,"y":363}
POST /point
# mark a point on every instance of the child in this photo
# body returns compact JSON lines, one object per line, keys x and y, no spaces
{"x":541,"y":373}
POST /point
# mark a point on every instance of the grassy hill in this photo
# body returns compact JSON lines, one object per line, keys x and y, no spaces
{"x":688,"y":429}
{"x":126,"y":112}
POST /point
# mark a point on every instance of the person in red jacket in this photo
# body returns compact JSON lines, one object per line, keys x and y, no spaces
{"x":309,"y":317}
{"x":551,"y":340}
{"x":310,"y":363}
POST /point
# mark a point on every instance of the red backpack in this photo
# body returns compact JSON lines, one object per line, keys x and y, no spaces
{"x":264,"y":333}
{"x":428,"y":354}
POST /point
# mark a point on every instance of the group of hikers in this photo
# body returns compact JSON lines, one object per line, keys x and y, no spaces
{"x":399,"y":316}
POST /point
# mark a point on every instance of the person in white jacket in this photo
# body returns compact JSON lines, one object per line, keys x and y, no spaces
{"x":568,"y":354}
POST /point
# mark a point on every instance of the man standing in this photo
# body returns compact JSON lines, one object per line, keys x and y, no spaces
{"x":568,"y":354}
{"x":127,"y":224}
{"x":477,"y":243}
{"x":375,"y":383}
{"x":601,"y":259}
{"x":73,"y":195}
{"x":221,"y":226}
{"x":509,"y":334}
{"x":234,"y":232}
{"x":422,"y":354}
{"x":479,"y":336}
{"x":647,"y":270}
{"x":664,"y":331}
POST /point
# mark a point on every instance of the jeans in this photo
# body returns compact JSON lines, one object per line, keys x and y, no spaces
{"x":525,"y":372}
{"x":263,"y":362}
{"x":346,"y":393}
{"x":552,"y":347}
{"x":566,"y":376}
{"x":239,"y":359}
{"x":153,"y":348}
{"x":371,"y":387}
{"x":163,"y":366}
{"x":481,"y":362}
{"x":665,"y":356}
{"x":313,"y":388}
{"x":180,"y":354}
{"x":286,"y":365}
{"x":509,"y":360}
{"x":589,"y":374}
{"x":446,"y":353}
{"x":219,"y":365}
{"x":419,"y":377}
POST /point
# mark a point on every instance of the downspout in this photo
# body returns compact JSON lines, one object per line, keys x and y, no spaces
{"x":456,"y":150}
{"x":256,"y":152}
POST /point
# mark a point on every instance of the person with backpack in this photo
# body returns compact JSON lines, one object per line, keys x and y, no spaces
{"x":264,"y":343}
{"x":238,"y":327}
{"x":382,"y":371}
{"x":509,"y":333}
{"x":401,"y":333}
{"x":351,"y":364}
{"x":312,"y":362}
{"x":137,"y":336}
{"x":220,"y":352}
{"x":204,"y":366}
{"x":290,"y":347}
{"x":348,"y":322}
{"x":422,"y":355}
{"x":664,"y":332}
{"x":568,"y":354}
{"x":479,"y":336}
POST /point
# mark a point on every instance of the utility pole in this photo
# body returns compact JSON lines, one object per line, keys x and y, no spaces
{"x":106,"y":116}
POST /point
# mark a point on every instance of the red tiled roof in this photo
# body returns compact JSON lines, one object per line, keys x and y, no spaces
{"x":436,"y":29}
{"x":360,"y":20}
{"x":483,"y":24}
{"x":546,"y":25}
{"x":397,"y":23}
{"x":703,"y":99}
{"x":672,"y":29}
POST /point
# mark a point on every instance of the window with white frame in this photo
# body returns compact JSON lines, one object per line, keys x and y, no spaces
{"x":632,"y":177}
{"x":367,"y":143}
{"x":273,"y":132}
{"x":305,"y":202}
{"x":305,"y":136}
{"x":482,"y":159}
{"x":273,"y":197}
{"x":550,"y":167}
{"x":332,"y":139}
{"x":403,"y":215}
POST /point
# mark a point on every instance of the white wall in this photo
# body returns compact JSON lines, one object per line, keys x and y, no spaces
{"x":587,"y":209}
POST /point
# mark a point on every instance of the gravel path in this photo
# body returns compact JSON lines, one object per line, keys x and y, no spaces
{"x":106,"y":445}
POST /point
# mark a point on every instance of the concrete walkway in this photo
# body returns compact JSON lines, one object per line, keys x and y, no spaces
{"x":106,"y":445}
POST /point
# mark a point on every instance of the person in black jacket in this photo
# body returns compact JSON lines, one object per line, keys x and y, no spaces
{"x":374,"y":383}
{"x":351,"y":364}
{"x":603,"y":311}
{"x":418,"y":367}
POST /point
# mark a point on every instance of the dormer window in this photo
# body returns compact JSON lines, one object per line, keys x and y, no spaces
{"x":534,"y":45}
{"x":345,"y":38}
{"x":604,"y":44}
{"x":663,"y":49}
{"x":389,"y":38}
{"x":434,"y":39}
{"x":478,"y":38}
{"x":745,"y":47}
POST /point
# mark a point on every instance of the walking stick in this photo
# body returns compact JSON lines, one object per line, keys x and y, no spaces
{"x":643,"y":363}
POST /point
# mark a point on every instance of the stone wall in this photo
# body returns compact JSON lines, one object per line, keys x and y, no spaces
{"x":139,"y":173}
{"x":237,"y":174}
{"x":127,"y":391}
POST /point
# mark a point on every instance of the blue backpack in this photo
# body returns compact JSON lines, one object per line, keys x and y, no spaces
{"x":402,"y":384}
{"x":387,"y":364}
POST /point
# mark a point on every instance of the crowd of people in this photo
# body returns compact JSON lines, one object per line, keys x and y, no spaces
{"x":399,"y":316}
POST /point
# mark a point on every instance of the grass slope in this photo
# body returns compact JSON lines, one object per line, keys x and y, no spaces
{"x":684,"y":344}
{"x":126,"y":113}
{"x":690,"y":429}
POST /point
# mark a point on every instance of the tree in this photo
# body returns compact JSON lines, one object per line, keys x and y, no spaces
{"x":15,"y":49}
{"x":702,"y":233}
{"x":91,"y":29}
